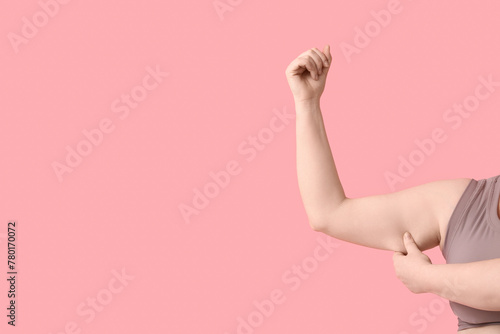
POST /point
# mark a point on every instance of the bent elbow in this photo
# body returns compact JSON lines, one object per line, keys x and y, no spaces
{"x":317,"y":225}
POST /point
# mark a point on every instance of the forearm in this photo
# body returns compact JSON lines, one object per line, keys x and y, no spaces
{"x":474,"y":284}
{"x":319,"y":183}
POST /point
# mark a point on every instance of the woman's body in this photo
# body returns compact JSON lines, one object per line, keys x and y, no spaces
{"x":377,"y":221}
{"x":493,"y":329}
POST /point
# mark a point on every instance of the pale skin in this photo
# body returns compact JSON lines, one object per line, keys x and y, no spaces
{"x":380,"y":221}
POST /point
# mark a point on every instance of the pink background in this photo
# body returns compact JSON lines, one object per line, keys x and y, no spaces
{"x":119,"y":209}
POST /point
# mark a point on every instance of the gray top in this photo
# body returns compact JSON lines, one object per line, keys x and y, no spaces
{"x":473,"y":234}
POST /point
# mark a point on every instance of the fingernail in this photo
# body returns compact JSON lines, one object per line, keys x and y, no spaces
{"x":407,"y":236}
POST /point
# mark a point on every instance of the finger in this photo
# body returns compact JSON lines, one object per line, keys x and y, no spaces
{"x":324,"y":59}
{"x":317,"y":59}
{"x":301,"y":64}
{"x":326,"y":51}
{"x":410,"y":244}
{"x":310,"y":64}
{"x":318,"y":63}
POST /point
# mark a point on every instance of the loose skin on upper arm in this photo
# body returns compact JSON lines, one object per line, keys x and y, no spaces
{"x":379,"y":221}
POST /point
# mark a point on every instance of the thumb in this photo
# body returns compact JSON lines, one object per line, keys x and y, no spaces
{"x":410,"y":244}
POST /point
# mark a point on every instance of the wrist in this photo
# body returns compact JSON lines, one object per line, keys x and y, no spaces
{"x":429,"y":282}
{"x":307,"y":105}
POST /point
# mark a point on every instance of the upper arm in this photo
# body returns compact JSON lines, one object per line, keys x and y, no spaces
{"x":379,"y":221}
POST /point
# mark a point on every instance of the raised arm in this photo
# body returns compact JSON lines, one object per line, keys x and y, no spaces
{"x":373,"y":221}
